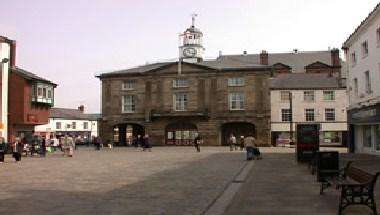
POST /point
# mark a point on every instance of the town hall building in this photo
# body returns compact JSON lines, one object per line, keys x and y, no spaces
{"x":173,"y":102}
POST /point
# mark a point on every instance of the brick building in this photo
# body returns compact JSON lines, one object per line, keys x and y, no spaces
{"x":26,"y":98}
{"x":30,"y":99}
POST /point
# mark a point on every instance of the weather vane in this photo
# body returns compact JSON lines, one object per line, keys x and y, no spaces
{"x":193,"y":15}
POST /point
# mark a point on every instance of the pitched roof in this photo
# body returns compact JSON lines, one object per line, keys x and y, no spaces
{"x":297,"y":61}
{"x":30,"y":76}
{"x":225,"y":64}
{"x":304,"y":81}
{"x":94,"y":116}
{"x":67,"y":113}
{"x":138,"y":69}
{"x":218,"y":64}
{"x":370,"y":15}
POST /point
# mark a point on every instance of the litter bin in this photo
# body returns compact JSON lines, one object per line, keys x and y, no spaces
{"x":327,"y":164}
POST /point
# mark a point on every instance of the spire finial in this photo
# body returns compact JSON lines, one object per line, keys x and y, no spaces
{"x":193,"y":15}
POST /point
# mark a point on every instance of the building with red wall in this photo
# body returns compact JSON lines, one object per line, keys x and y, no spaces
{"x":28,"y":97}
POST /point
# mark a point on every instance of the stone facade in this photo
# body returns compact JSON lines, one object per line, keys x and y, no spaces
{"x":207,"y":109}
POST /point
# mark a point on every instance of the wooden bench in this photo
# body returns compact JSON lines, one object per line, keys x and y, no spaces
{"x":357,"y":187}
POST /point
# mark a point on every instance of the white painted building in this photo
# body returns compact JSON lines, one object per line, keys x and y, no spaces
{"x":316,"y":99}
{"x":362,"y":50}
{"x":5,"y":63}
{"x":70,"y":121}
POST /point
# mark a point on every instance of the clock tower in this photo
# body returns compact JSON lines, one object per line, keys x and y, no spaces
{"x":191,"y":49}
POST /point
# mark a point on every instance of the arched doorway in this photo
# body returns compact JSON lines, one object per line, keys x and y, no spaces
{"x":124,"y":133}
{"x":238,"y":129}
{"x":180,"y":133}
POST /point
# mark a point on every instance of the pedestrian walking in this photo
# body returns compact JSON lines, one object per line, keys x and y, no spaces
{"x":197,"y":143}
{"x":2,"y":149}
{"x":147,"y":146}
{"x":67,"y":146}
{"x":251,"y":147}
{"x":232,"y":141}
{"x":43,"y":148}
{"x":71,"y":146}
{"x":17,"y":149}
{"x":98,"y":143}
{"x":140,"y":141}
{"x":241,"y":143}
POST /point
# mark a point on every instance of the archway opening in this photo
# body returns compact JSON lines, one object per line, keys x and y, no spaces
{"x":124,"y":134}
{"x":180,"y":133}
{"x":238,"y":129}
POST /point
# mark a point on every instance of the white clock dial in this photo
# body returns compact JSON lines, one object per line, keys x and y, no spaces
{"x":189,"y":52}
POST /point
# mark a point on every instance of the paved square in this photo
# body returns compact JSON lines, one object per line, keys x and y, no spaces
{"x":168,"y":180}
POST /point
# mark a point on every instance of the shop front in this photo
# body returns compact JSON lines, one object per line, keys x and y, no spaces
{"x":364,"y":129}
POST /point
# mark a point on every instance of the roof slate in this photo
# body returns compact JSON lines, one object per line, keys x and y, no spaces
{"x":212,"y":64}
{"x":67,"y":113}
{"x":30,"y":75}
{"x":304,"y":81}
{"x":297,"y":61}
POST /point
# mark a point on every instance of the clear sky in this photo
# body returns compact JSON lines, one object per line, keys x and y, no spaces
{"x":69,"y":41}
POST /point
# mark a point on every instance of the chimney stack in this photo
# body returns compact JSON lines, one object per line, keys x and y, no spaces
{"x":264,"y":57}
{"x":81,"y":108}
{"x":335,"y":61}
{"x":13,"y":53}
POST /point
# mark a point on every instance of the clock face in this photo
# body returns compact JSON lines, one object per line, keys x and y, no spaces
{"x":189,"y":52}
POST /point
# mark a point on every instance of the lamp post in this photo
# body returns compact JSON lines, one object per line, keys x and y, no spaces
{"x":291,"y":118}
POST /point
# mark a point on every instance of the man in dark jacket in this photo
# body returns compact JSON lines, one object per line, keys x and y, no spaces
{"x":197,"y":142}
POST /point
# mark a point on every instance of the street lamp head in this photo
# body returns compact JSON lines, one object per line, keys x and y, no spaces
{"x":4,"y":60}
